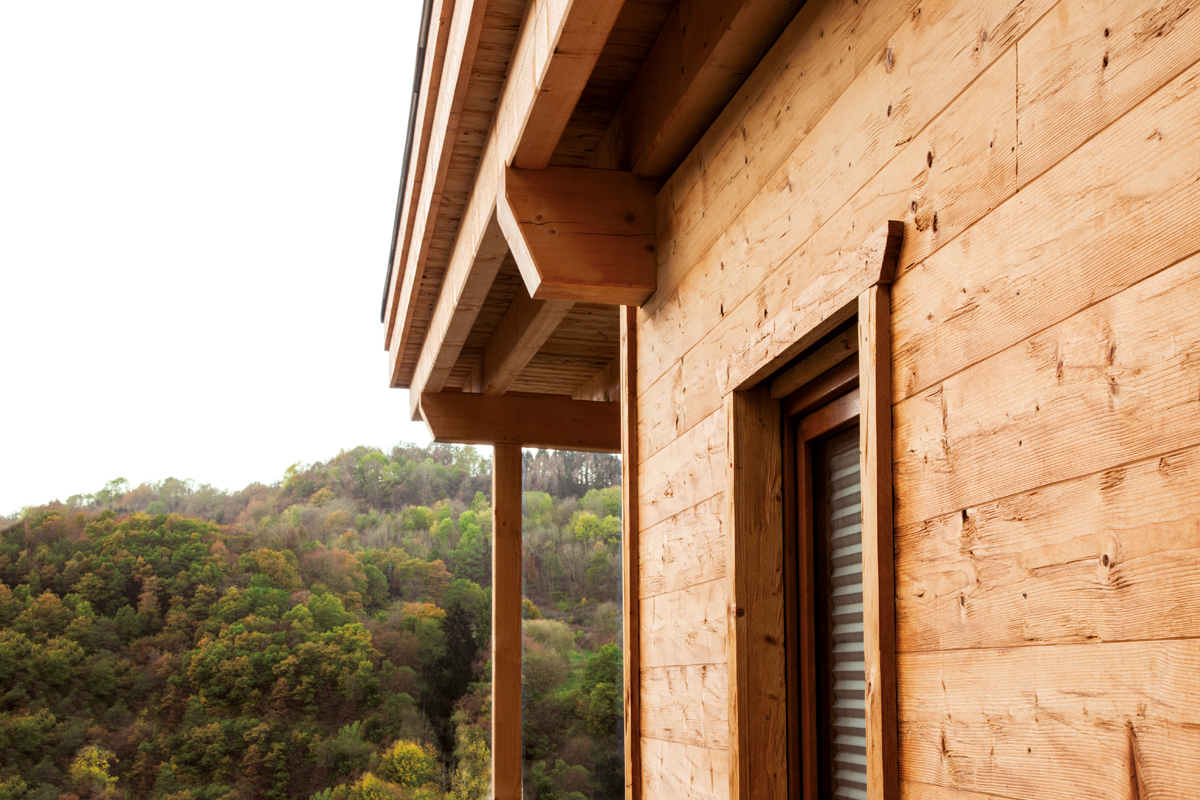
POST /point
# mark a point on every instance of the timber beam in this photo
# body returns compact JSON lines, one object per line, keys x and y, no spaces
{"x":522,"y":331}
{"x":702,"y":55}
{"x":582,"y":235}
{"x":557,"y":423}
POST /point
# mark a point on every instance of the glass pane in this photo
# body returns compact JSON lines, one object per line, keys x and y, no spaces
{"x":840,"y":532}
{"x":573,"y":684}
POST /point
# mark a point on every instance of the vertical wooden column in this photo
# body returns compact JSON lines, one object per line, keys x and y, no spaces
{"x":754,"y":572}
{"x":879,"y":592}
{"x":630,"y":576}
{"x":506,"y":622}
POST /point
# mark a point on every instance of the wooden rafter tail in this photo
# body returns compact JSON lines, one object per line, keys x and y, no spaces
{"x":579,"y":234}
{"x":558,"y":423}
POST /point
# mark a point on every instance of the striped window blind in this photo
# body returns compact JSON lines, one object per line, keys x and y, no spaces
{"x":845,"y":746}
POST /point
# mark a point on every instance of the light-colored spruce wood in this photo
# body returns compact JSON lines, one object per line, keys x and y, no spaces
{"x":1113,"y":384}
{"x":578,"y":234}
{"x":1110,"y":556}
{"x":476,"y":255}
{"x":522,"y":331}
{"x":604,"y":386}
{"x":1087,"y":64}
{"x":702,"y":54}
{"x":506,"y":621}
{"x":878,"y":576}
{"x":1105,"y":721}
{"x":631,"y":572}
{"x":911,"y":790}
{"x":554,"y":422}
{"x":1082,"y":240}
{"x":828,"y":300}
{"x":441,"y":14}
{"x":945,"y":53}
{"x":684,"y":549}
{"x":975,"y":169}
{"x":754,"y":576}
{"x":580,"y":40}
{"x":827,"y":356}
{"x":685,"y":627}
{"x":688,"y":704}
{"x":674,"y":770}
{"x":461,"y":46}
{"x":689,"y":470}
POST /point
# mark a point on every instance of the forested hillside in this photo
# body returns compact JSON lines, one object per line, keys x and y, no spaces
{"x":325,"y":636}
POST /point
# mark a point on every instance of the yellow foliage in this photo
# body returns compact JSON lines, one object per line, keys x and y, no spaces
{"x":407,"y":763}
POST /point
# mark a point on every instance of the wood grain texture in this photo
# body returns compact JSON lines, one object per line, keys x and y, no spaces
{"x":685,"y":549}
{"x":687,"y":471}
{"x":911,"y":790}
{"x":506,"y":622}
{"x":673,"y":770}
{"x":878,"y":575}
{"x":631,"y":569}
{"x":810,"y":313}
{"x":704,"y":51}
{"x":1088,"y":63}
{"x":564,"y":76}
{"x":688,"y":704}
{"x":686,"y":627}
{"x":578,"y":234}
{"x":1113,"y":384}
{"x":554,"y":422}
{"x":1082,"y":239}
{"x":824,"y":358}
{"x":754,"y":575}
{"x":605,"y":387}
{"x":935,"y":56}
{"x":975,"y":169}
{"x":1110,"y":721}
{"x":522,"y":331}
{"x":1111,"y":556}
{"x":466,"y":27}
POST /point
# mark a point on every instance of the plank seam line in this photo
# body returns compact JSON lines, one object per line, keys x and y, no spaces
{"x":900,"y":529}
{"x":1035,"y":645}
{"x":681,"y":666}
{"x":918,"y":395}
{"x":1128,"y":111}
{"x":933,"y":119}
{"x":685,"y":588}
{"x":981,"y":795}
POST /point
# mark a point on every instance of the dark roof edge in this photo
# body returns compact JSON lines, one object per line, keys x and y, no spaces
{"x":422,"y":44}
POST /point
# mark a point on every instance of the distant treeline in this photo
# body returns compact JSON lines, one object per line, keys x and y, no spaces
{"x":325,"y":636}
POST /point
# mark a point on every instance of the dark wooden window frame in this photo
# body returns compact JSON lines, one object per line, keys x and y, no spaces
{"x":766,"y":755}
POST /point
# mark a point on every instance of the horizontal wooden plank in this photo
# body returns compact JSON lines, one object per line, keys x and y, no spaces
{"x":552,"y":422}
{"x":671,"y":770}
{"x":686,"y":704}
{"x":1105,"y":721}
{"x":1111,"y":556}
{"x":911,"y":790}
{"x":1111,"y":385}
{"x":1120,"y":208}
{"x":603,"y":387}
{"x":689,"y":470}
{"x":1091,"y":61}
{"x":935,"y":56}
{"x":974,"y":170}
{"x":685,"y":549}
{"x":686,"y":627}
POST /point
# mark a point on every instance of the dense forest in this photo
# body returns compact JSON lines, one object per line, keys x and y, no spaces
{"x":324,"y":637}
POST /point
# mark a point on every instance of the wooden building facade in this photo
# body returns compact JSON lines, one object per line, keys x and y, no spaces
{"x":720,"y":236}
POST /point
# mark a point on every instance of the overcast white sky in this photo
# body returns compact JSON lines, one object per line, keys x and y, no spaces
{"x":196,"y":204}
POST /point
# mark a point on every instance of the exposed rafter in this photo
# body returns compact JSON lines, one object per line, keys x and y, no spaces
{"x":585,"y":235}
{"x":523,"y":330}
{"x":704,"y":52}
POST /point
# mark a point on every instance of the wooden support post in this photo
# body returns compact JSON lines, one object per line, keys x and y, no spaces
{"x":506,"y":622}
{"x":879,"y":592}
{"x":584,"y":235}
{"x":754,"y":573}
{"x":630,"y":584}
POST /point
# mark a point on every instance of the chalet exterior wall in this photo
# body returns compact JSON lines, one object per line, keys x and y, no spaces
{"x":1044,"y":157}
